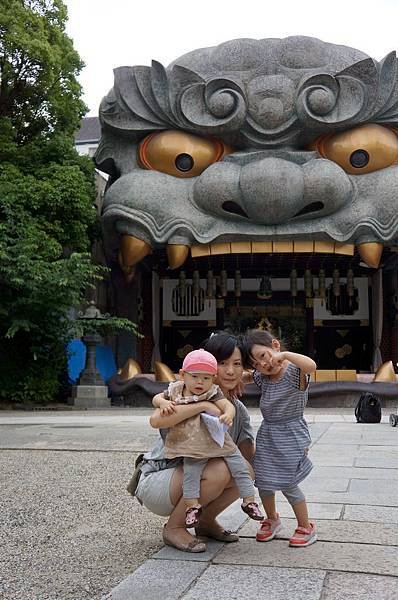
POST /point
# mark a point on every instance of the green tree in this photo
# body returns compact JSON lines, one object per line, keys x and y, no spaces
{"x":47,"y":217}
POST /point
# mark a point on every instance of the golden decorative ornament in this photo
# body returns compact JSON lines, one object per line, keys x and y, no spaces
{"x":385,"y":372}
{"x":163,"y":372}
{"x":129,"y":370}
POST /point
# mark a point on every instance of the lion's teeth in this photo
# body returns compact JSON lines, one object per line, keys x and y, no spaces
{"x":370,"y":253}
{"x":269,"y":247}
{"x":128,"y":272}
{"x":176,"y":255}
{"x":133,"y":250}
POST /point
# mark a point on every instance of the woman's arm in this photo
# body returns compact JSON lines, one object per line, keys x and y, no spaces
{"x":182,"y":412}
{"x":247,"y":449}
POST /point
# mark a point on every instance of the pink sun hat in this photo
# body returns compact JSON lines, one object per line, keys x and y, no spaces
{"x":200,"y":361}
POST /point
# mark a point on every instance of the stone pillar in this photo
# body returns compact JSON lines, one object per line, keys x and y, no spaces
{"x":91,"y":391}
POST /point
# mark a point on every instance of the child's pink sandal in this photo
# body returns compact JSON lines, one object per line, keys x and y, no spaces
{"x":192,"y":515}
{"x":252,"y":509}
{"x":303,"y":537}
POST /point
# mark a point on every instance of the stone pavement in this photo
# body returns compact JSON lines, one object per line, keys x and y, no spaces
{"x":352,"y":493}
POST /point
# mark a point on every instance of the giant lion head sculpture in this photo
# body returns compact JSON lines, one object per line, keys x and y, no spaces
{"x":251,"y":143}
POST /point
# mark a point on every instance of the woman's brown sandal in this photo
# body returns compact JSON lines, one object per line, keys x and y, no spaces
{"x":252,"y":509}
{"x":192,"y":515}
{"x":193,"y":546}
{"x":223,"y":535}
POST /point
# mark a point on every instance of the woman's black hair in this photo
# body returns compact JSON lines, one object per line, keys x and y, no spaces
{"x":253,"y":337}
{"x":221,"y":345}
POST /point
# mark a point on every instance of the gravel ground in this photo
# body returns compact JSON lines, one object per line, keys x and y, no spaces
{"x":68,"y":528}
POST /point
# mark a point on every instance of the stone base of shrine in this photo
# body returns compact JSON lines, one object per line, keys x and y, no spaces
{"x":90,"y":396}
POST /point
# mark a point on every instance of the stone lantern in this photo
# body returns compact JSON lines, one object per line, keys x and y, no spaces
{"x":91,"y":390}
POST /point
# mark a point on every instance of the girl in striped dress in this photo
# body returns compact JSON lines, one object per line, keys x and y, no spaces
{"x":281,"y":459}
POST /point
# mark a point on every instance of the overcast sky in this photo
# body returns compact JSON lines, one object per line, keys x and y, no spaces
{"x":111,"y":33}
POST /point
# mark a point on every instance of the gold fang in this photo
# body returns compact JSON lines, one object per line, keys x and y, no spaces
{"x":176,"y":255}
{"x":133,"y":250}
{"x":129,"y":272}
{"x":371,"y":252}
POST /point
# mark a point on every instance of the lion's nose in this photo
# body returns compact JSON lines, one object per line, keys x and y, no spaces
{"x":274,"y":190}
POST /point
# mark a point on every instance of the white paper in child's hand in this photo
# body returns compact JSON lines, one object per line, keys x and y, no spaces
{"x":215,"y":428}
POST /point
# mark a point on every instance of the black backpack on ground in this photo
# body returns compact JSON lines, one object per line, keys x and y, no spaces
{"x":368,"y":409}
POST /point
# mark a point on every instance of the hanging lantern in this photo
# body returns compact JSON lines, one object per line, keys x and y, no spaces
{"x":308,"y":287}
{"x":350,"y":283}
{"x":322,"y":285}
{"x":182,"y":284}
{"x":350,"y":286}
{"x":210,"y":284}
{"x":237,"y":284}
{"x":195,"y":284}
{"x":223,"y":283}
{"x":265,"y":288}
{"x":336,"y":282}
{"x":293,"y":283}
{"x":308,"y":283}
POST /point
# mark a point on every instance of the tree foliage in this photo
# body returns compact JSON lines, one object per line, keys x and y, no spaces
{"x":39,"y":91}
{"x":46,"y":198}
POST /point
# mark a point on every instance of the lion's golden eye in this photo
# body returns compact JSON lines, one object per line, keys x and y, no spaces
{"x":180,"y":154}
{"x":364,"y":149}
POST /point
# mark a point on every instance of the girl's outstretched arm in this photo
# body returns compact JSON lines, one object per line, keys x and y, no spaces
{"x":304,"y":363}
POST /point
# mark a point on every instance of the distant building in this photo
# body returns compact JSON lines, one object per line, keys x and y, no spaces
{"x":88,"y":136}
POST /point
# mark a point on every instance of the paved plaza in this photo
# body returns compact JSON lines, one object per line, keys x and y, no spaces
{"x":69,"y":530}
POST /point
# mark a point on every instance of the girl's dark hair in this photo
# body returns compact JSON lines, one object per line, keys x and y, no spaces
{"x":253,"y":337}
{"x":221,"y":345}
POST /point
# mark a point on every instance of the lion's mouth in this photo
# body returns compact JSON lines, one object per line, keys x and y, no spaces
{"x":133,"y":250}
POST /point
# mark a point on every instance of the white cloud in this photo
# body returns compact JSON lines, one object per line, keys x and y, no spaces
{"x":126,"y":32}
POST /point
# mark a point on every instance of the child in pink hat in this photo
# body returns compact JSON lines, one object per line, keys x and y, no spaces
{"x":192,"y":440}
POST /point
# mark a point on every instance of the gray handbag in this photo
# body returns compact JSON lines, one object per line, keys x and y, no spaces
{"x":133,"y":483}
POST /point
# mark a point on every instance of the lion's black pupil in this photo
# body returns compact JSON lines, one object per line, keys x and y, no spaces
{"x":184,"y":162}
{"x":359,"y":159}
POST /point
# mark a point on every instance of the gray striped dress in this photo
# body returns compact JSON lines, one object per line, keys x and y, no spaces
{"x":280,"y":461}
